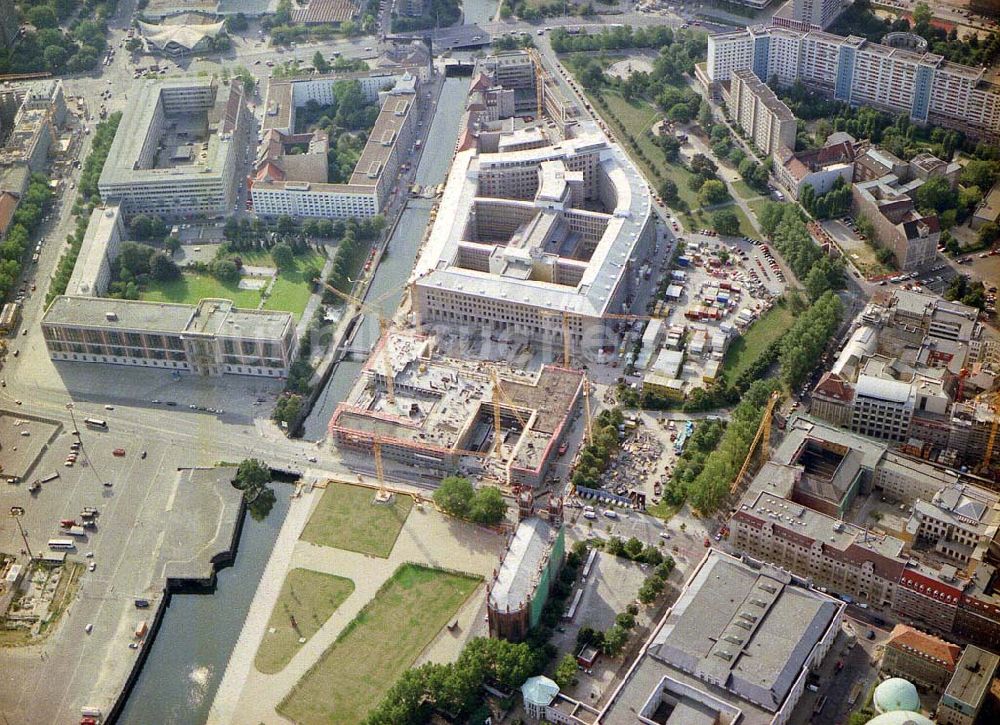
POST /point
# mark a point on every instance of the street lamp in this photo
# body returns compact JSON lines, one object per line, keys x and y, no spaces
{"x":16,"y":513}
{"x":69,"y":407}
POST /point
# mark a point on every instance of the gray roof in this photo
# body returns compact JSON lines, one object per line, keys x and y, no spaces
{"x":973,"y":675}
{"x":872,"y":451}
{"x":209,"y":317}
{"x":518,"y":575}
{"x":752,"y":629}
{"x":894,"y":391}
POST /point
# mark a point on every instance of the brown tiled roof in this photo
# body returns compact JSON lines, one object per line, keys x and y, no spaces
{"x":833,"y":386}
{"x":932,"y":648}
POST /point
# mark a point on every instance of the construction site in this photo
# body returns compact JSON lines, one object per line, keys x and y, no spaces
{"x":443,"y":415}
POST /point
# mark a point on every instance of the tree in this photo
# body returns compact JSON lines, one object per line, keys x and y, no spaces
{"x":55,"y":57}
{"x":42,"y":16}
{"x":935,"y":195}
{"x":922,"y":16}
{"x":565,"y":672}
{"x":614,"y":640}
{"x":252,"y":474}
{"x":454,"y":496}
{"x":650,"y":589}
{"x":633,"y":548}
{"x":712,"y":192}
{"x":162,"y":268}
{"x":988,"y":233}
{"x":283,"y":256}
{"x":225,"y":270}
{"x":488,"y":506}
{"x":701,"y":164}
{"x":320,"y":63}
{"x":668,"y":190}
{"x":725,"y":221}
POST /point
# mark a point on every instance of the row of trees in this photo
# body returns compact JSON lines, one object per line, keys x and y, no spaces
{"x":833,"y":203}
{"x":634,"y":550}
{"x":966,"y":291}
{"x":457,"y":497}
{"x":707,"y":491}
{"x":26,"y":220}
{"x":618,"y":38}
{"x":594,"y":456}
{"x":804,"y":342}
{"x":351,"y":251}
{"x":784,"y":224}
{"x":86,"y":200}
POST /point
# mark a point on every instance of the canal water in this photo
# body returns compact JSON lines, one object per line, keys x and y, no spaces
{"x":387,"y":285}
{"x":198,"y":633}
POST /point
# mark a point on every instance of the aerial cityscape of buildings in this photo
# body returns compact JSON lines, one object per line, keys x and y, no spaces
{"x":511,"y":384}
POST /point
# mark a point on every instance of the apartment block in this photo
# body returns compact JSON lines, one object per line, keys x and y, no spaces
{"x":755,"y":108}
{"x":927,"y":661}
{"x":924,"y":86}
{"x":912,"y":236}
{"x":210,"y":338}
{"x":288,"y":182}
{"x":176,"y":150}
{"x":808,"y":14}
{"x":100,"y":247}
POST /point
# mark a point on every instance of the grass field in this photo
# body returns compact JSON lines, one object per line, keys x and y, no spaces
{"x":635,"y":118}
{"x":743,"y":189}
{"x":346,"y":518}
{"x":192,"y":287}
{"x":290,"y":292}
{"x":380,"y":643}
{"x":308,"y":596}
{"x":744,"y":350}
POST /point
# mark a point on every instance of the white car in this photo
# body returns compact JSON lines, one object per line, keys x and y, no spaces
{"x":611,"y":514}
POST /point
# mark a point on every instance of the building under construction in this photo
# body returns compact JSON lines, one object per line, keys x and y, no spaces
{"x":441,"y":415}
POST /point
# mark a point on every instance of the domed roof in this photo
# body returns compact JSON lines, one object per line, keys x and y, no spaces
{"x":900,"y":717}
{"x":896,"y":694}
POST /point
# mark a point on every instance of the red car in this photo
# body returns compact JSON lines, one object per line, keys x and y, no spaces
{"x":120,"y":452}
{"x":707,"y":543}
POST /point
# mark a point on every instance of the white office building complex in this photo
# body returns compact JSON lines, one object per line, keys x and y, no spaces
{"x":176,"y":150}
{"x":279,"y":188}
{"x":764,"y":118}
{"x":210,"y":338}
{"x":924,"y":86}
{"x":522,"y":237}
{"x":100,"y":247}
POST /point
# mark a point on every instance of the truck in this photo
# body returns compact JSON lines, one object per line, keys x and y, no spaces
{"x":77,"y":531}
{"x":67,"y":523}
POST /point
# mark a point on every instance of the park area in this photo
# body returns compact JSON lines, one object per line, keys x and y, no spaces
{"x":348,"y":518}
{"x":745,"y":350}
{"x":307,"y":600}
{"x":288,"y":292}
{"x":384,"y":640}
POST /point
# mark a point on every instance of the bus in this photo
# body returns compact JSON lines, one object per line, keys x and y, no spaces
{"x":820,"y":704}
{"x":96,"y":423}
{"x":50,"y":477}
{"x":62,"y":544}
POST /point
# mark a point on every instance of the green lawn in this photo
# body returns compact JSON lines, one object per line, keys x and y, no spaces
{"x":744,"y":350}
{"x":290,"y":293}
{"x":744,"y":190}
{"x":757,"y":205}
{"x":308,"y":596}
{"x":380,"y":643}
{"x":746,"y":228}
{"x":347,"y":518}
{"x":192,"y":287}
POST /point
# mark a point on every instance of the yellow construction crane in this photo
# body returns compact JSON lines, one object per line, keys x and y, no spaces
{"x":383,"y":325}
{"x":992,"y":401}
{"x":761,"y":439}
{"x":539,"y":81}
{"x":383,"y":494}
{"x":498,"y":393}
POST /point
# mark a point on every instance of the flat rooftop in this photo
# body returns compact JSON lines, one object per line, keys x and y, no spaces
{"x":94,"y":249}
{"x":208,"y":317}
{"x":735,"y":643}
{"x":973,"y":675}
{"x":209,"y":111}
